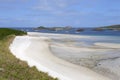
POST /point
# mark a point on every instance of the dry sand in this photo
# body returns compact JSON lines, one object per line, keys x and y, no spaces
{"x":39,"y":50}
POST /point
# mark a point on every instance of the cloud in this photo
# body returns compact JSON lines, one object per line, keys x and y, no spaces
{"x":43,"y":5}
{"x":64,"y":7}
{"x":50,"y":4}
{"x":56,"y":7}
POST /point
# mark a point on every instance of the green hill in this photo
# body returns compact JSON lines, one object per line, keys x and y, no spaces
{"x":6,"y":31}
{"x":112,"y":27}
{"x":12,"y":68}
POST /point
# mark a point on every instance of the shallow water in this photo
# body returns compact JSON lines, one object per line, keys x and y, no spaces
{"x":84,"y":52}
{"x":87,"y":42}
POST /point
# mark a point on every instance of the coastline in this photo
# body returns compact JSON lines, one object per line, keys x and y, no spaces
{"x":35,"y":49}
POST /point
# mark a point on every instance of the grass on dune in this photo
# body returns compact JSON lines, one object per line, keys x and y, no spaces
{"x":12,"y":68}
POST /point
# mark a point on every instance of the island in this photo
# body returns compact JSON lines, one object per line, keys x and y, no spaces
{"x":53,"y":28}
{"x":111,"y":27}
{"x":98,"y":29}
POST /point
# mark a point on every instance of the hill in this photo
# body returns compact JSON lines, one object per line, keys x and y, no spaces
{"x":12,"y":68}
{"x":4,"y":32}
{"x":112,"y":27}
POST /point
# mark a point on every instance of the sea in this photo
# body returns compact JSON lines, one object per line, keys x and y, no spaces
{"x":87,"y":31}
{"x":109,"y":36}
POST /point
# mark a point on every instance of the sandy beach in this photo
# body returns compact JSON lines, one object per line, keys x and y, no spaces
{"x":62,"y":56}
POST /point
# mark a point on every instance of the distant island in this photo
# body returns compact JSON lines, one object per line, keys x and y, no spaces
{"x":54,"y":28}
{"x":78,"y":29}
{"x":112,"y":27}
{"x":66,"y":28}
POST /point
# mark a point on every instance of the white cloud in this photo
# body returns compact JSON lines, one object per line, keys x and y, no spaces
{"x":60,"y":3}
{"x":50,"y":4}
{"x":43,"y":5}
{"x":60,"y":8}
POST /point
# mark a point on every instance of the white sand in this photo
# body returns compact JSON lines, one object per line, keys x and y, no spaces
{"x":36,"y":51}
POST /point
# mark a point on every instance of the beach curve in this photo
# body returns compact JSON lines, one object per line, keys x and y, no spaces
{"x":35,"y":50}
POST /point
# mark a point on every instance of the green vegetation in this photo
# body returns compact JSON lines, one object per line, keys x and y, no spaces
{"x":112,"y":27}
{"x":12,"y":68}
{"x":6,"y":31}
{"x":42,"y":27}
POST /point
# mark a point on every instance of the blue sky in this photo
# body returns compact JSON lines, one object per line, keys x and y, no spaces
{"x":76,"y":13}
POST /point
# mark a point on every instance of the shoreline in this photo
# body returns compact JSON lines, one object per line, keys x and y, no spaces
{"x":31,"y":48}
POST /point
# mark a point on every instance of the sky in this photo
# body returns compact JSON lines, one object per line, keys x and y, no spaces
{"x":52,"y":13}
